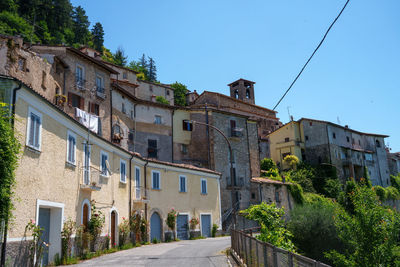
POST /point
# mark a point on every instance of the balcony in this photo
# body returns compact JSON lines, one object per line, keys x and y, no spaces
{"x":91,"y":179}
{"x":141,"y":195}
{"x":100,"y":92}
{"x":80,"y":83}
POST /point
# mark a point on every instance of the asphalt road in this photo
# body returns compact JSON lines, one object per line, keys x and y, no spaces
{"x":202,"y":252}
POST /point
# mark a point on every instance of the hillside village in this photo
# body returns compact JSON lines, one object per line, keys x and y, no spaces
{"x":95,"y":139}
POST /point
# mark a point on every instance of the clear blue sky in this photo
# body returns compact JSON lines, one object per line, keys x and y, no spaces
{"x":208,"y":44}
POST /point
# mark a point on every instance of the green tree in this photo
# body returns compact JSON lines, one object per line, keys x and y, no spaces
{"x":8,"y":5}
{"x":370,"y":233}
{"x":267,"y":164}
{"x":142,"y":71}
{"x":12,"y":24}
{"x":273,"y":230}
{"x":80,"y":24}
{"x":291,"y":161}
{"x":119,"y":57}
{"x":152,"y":70}
{"x":98,"y":36}
{"x":180,"y":91}
{"x":9,"y":153}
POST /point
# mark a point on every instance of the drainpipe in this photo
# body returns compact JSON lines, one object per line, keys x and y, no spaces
{"x":172,"y":138}
{"x":3,"y":247}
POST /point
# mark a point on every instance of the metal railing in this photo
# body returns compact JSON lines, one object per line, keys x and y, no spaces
{"x":141,"y":194}
{"x":91,"y":178}
{"x":253,"y":252}
{"x":100,"y":92}
{"x":80,"y":83}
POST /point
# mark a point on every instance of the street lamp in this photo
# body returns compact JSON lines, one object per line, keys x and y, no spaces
{"x":231,"y":166}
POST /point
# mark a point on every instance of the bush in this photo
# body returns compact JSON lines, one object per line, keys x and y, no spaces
{"x":292,"y":161}
{"x":380,"y":192}
{"x":303,"y":178}
{"x":162,"y":100}
{"x":395,"y":181}
{"x":214,"y":230}
{"x":313,"y":228}
{"x":297,"y":192}
{"x":267,"y":164}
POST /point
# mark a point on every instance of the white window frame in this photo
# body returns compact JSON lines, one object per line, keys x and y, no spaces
{"x":155,"y":119}
{"x":137,"y":187}
{"x":102,"y":152}
{"x":159,"y":180}
{"x":69,"y":133}
{"x":121,"y":161}
{"x":36,"y":113}
{"x":84,"y":166}
{"x":182,"y":176}
{"x":201,"y":186}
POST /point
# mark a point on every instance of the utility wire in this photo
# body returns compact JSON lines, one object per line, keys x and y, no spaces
{"x":309,"y":59}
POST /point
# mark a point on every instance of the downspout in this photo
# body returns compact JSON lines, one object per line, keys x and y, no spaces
{"x":3,"y":247}
{"x":172,"y":138}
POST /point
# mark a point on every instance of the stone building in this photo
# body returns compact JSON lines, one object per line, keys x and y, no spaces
{"x":393,"y":162}
{"x":64,"y":170}
{"x":326,"y":143}
{"x":85,"y":86}
{"x":150,"y":90}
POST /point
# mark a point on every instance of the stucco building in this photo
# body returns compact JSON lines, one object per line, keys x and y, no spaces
{"x":323,"y":142}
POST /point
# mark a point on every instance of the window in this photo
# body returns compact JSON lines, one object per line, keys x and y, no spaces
{"x":310,"y":123}
{"x":368,"y":157}
{"x":44,"y":76}
{"x":352,"y":141}
{"x":34,"y":129}
{"x":155,"y":180}
{"x":343,"y":154}
{"x":236,"y":94}
{"x":76,"y":101}
{"x":123,"y":108}
{"x":167,"y":92}
{"x":187,"y":125}
{"x":306,"y":137}
{"x":125,"y":75}
{"x":233,"y":127}
{"x":287,"y":139}
{"x":71,"y":148}
{"x":277,"y":196}
{"x":157,"y":119}
{"x":182,"y":184}
{"x":203,"y":186}
{"x":22,"y":64}
{"x":137,"y":182}
{"x":99,"y":84}
{"x":248,"y":94}
{"x":348,"y":139}
{"x":151,"y":88}
{"x":103,"y":165}
{"x":152,"y":148}
{"x":79,"y":76}
{"x":359,"y":142}
{"x":86,"y":164}
{"x":334,"y":135}
{"x":378,"y":144}
{"x":122,"y":171}
{"x":94,"y":109}
{"x":184,"y":148}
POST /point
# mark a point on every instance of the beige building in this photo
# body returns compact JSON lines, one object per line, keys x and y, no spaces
{"x":60,"y":176}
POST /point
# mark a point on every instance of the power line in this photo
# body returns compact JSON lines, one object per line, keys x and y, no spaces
{"x":309,"y":59}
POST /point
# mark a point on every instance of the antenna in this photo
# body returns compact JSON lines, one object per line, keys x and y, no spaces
{"x":288,"y":111}
{"x":338,"y":121}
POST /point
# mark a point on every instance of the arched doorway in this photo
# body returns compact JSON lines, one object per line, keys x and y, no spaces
{"x":113,"y":227}
{"x":85,"y":215}
{"x":155,"y":227}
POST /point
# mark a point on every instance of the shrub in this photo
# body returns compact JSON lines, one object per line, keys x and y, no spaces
{"x":267,"y":164}
{"x":395,"y":181}
{"x":292,"y":161}
{"x":302,"y":177}
{"x":193,"y":223}
{"x":313,"y":228}
{"x":171,"y":220}
{"x":297,"y":192}
{"x":124,"y":230}
{"x":380,"y":192}
{"x":214,"y":230}
{"x":162,"y":100}
{"x":273,"y":230}
{"x":66,"y":240}
{"x":96,"y":223}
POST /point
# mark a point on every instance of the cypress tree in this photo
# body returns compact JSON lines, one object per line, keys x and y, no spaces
{"x":98,"y":36}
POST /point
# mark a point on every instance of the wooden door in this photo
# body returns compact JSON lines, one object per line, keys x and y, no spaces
{"x":113,"y":229}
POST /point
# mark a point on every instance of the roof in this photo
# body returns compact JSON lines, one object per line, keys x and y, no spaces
{"x":78,"y":52}
{"x":118,"y":66}
{"x":343,"y":127}
{"x":234,"y":99}
{"x":183,"y":166}
{"x":241,"y":79}
{"x":135,"y":154}
{"x":262,"y":180}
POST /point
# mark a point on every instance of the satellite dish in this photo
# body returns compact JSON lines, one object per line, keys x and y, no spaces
{"x":108,"y":166}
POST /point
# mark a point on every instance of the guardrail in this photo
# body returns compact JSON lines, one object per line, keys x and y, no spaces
{"x":253,"y":252}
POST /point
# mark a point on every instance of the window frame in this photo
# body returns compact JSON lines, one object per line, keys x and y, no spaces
{"x":29,"y":124}
{"x":156,"y":121}
{"x":152,"y":180}
{"x":107,"y":174}
{"x":122,"y":161}
{"x":180,"y":184}
{"x":69,"y":133}
{"x":201,"y":186}
{"x":137,"y":188}
{"x":84,"y":161}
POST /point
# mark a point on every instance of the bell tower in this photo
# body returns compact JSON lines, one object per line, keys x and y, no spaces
{"x":243,"y":90}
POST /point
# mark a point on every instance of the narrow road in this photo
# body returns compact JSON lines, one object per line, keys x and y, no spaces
{"x":202,"y":252}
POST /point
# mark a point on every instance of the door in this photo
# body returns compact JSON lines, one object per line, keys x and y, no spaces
{"x":206,"y":225}
{"x":155,"y":227}
{"x":85,"y":215}
{"x":182,"y":227}
{"x":44,"y":223}
{"x":113,"y":218}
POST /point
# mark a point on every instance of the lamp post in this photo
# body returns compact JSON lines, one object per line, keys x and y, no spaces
{"x":231,"y":167}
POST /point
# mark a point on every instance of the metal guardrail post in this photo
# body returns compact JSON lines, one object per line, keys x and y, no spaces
{"x":258,"y":258}
{"x":275,"y":255}
{"x":250,"y":250}
{"x":265,"y":253}
{"x":290,"y":259}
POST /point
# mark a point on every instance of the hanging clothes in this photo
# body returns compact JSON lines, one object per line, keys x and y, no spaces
{"x":88,"y":120}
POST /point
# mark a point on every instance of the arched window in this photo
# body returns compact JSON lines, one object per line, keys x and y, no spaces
{"x":378,"y":144}
{"x":236,"y":92}
{"x":248,"y":94}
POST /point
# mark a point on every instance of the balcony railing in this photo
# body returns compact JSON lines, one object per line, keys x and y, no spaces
{"x":141,"y":194}
{"x":80,"y":83}
{"x":100,"y":92}
{"x":91,"y":179}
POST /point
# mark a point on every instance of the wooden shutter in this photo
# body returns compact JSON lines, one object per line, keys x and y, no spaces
{"x":81,"y":103}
